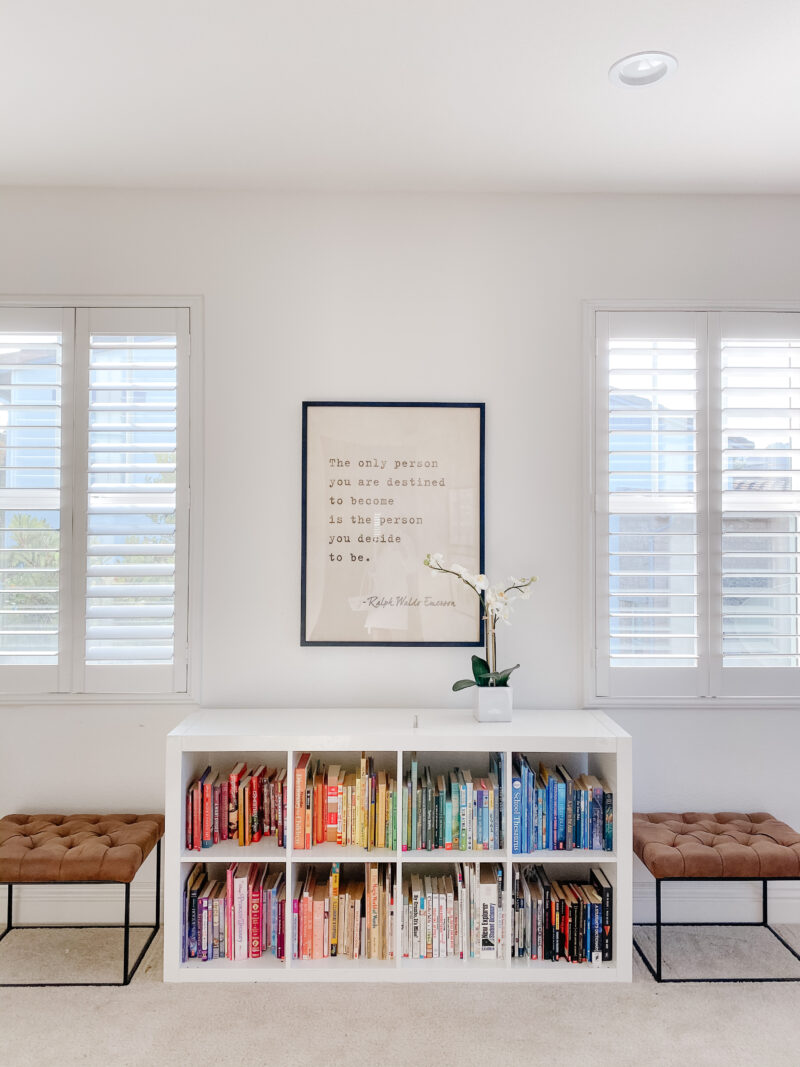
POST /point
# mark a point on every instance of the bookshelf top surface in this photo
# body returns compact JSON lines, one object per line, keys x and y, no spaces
{"x":393,"y":728}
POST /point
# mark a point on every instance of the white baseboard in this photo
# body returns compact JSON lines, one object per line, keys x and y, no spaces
{"x":715,"y":902}
{"x":79,"y":904}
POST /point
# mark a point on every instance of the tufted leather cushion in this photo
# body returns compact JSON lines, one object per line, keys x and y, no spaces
{"x":727,"y":844}
{"x":76,"y":848}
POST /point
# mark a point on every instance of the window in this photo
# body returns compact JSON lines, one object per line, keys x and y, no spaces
{"x":94,"y":471}
{"x":697,"y":504}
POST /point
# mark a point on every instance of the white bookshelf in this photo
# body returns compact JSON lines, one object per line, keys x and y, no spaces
{"x":586,"y":741}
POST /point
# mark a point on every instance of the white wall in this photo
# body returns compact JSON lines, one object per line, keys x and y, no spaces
{"x":410,"y":298}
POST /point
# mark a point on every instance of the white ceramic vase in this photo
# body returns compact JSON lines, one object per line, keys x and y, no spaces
{"x":493,"y":703}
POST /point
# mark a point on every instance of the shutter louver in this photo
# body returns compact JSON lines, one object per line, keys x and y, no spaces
{"x":760,"y":420}
{"x":132,"y":452}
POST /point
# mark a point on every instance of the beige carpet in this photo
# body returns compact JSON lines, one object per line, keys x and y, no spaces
{"x":462,"y":1025}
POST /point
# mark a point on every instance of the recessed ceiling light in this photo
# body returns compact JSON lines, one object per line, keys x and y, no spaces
{"x":643,"y":68}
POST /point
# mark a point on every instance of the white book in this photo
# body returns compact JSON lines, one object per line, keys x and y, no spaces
{"x":434,"y":916}
{"x":442,"y":919}
{"x":404,"y":923}
{"x":430,"y":907}
{"x":450,"y":900}
{"x":417,"y":916}
{"x":528,"y":943}
{"x":240,"y":911}
{"x":488,"y":913}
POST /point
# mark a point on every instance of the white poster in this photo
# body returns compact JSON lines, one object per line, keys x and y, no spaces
{"x":384,"y":485}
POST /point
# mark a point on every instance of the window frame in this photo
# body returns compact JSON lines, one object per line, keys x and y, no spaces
{"x":594,"y":508}
{"x":190,"y":415}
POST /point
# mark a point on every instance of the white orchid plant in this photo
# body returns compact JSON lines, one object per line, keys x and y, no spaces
{"x":496,"y":601}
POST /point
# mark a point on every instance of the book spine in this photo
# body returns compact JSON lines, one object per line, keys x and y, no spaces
{"x":233,"y":806}
{"x":215,"y":801}
{"x":300,"y":803}
{"x":608,"y":822}
{"x":255,"y":918}
{"x":208,"y":813}
{"x":255,"y":808}
{"x":516,"y":813}
{"x":197,"y":816}
{"x":224,"y":806}
{"x":334,"y":919}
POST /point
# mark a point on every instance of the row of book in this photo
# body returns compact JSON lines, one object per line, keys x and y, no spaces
{"x":239,"y":806}
{"x":457,"y":810}
{"x":351,"y":916}
{"x":556,"y":920}
{"x":458,"y":914}
{"x":236,"y":917}
{"x":336,"y":806}
{"x":551,"y":809}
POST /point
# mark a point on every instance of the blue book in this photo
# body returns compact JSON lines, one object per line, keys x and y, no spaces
{"x":561,"y":793}
{"x":487,"y":843}
{"x":479,"y":806}
{"x":516,"y":812}
{"x":524,"y":771}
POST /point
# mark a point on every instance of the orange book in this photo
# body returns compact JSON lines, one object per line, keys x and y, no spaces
{"x":244,"y":810}
{"x":332,"y":804}
{"x":300,"y":774}
{"x":320,"y":806}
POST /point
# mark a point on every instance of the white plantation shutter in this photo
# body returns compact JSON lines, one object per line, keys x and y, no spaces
{"x":32,"y":345}
{"x":94,"y":499}
{"x":759,"y":389}
{"x":697,"y":504}
{"x":134,"y":625}
{"x":651,"y":426}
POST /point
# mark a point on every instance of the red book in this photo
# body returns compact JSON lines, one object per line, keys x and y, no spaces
{"x":197,"y":810}
{"x":234,"y":778}
{"x":208,"y":810}
{"x":280,"y":801}
{"x":300,"y":774}
{"x":224,"y":803}
{"x":216,"y":792}
{"x":189,"y":820}
{"x":256,"y":804}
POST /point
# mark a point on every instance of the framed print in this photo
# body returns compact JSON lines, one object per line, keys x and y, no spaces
{"x":384,"y":484}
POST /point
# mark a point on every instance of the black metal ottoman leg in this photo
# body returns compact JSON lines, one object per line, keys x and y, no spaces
{"x":658,"y":929}
{"x":10,"y":915}
{"x":126,"y":947}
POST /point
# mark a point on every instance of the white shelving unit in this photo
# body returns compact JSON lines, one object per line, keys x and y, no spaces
{"x":585,"y":741}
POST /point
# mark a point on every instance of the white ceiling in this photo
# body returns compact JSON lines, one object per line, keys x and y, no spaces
{"x":473,"y":95}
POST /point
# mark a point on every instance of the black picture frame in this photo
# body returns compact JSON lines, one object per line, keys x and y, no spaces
{"x":468,"y":421}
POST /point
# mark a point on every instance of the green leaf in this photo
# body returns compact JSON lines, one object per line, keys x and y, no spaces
{"x":480,"y":670}
{"x":465,"y":683}
{"x":500,"y":678}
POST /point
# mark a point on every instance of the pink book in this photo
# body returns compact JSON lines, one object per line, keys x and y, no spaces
{"x":231,"y":872}
{"x":254,"y":903}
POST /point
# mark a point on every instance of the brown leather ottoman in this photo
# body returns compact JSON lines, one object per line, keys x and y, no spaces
{"x":720,"y":846}
{"x":80,"y":849}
